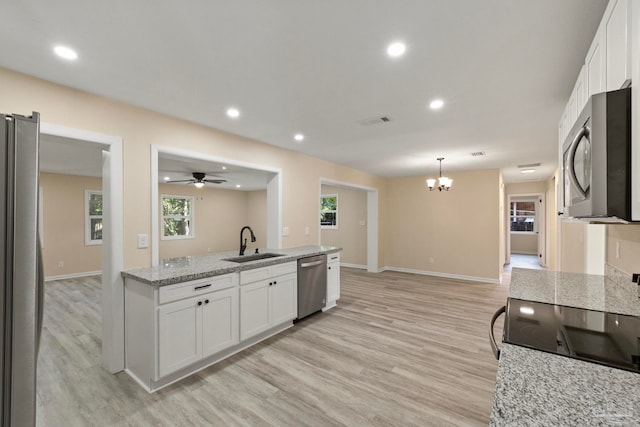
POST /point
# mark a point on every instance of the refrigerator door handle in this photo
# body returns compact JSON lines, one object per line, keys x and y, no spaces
{"x":40,"y":290}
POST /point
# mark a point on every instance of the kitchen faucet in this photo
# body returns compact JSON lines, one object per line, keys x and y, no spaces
{"x":243,"y":246}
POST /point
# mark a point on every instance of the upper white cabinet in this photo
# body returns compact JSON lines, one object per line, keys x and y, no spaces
{"x":617,"y":31}
{"x":595,"y":65}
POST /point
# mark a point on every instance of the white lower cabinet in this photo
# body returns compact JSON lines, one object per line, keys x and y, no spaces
{"x":268,"y":302}
{"x":198,"y":327}
{"x":333,"y":279}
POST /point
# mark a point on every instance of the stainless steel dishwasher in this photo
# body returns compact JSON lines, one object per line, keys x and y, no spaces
{"x":312,"y":284}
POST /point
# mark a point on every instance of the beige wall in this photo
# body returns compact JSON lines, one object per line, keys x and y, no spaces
{"x":141,"y":128}
{"x":219,"y":215}
{"x":350,"y":235}
{"x":455,"y":232}
{"x":572,"y":249}
{"x":628,"y":237}
{"x":63,"y":221}
{"x":524,"y":244}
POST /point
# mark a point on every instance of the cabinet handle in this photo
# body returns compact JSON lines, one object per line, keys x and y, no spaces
{"x":206,"y":301}
{"x":199,"y":303}
{"x":329,"y":268}
{"x":202,"y":287}
{"x":270,"y":283}
{"x":274,"y":282}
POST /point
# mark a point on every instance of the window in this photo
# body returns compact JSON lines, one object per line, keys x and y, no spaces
{"x":523,"y":216}
{"x":177,"y":217}
{"x":92,"y":217}
{"x":329,"y":211}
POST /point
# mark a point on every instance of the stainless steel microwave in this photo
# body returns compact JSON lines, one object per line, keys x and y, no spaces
{"x":597,"y":159}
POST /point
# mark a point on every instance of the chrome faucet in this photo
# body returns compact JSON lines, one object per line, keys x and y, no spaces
{"x":243,"y":246}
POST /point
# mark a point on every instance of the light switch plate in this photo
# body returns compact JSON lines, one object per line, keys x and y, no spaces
{"x":306,"y":230}
{"x":143,"y":241}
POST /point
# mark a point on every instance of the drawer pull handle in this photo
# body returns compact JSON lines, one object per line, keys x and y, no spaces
{"x":274,"y":282}
{"x":202,"y":287}
{"x":199,"y":303}
{"x":334,"y":257}
{"x":206,"y":301}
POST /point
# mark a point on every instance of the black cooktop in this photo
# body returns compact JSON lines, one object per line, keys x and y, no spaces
{"x":593,"y":336}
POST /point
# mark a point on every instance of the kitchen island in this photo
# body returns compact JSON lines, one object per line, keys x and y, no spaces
{"x":543,"y":389}
{"x":189,"y":313}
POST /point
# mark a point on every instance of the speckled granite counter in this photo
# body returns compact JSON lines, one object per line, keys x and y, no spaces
{"x":176,"y":270}
{"x":535,"y":388}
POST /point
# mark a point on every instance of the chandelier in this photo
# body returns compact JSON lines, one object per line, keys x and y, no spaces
{"x":444,"y":183}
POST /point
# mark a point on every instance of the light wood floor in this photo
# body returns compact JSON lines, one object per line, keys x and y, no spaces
{"x":399,"y":350}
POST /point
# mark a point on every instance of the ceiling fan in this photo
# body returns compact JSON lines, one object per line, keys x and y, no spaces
{"x":199,"y":180}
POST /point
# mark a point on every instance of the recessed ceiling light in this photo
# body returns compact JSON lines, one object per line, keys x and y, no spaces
{"x":166,"y":178}
{"x":436,"y":104}
{"x":224,"y":168}
{"x":65,"y":52}
{"x":233,"y":113}
{"x":298,"y":137}
{"x":527,"y":171}
{"x":396,"y":49}
{"x":238,"y":185}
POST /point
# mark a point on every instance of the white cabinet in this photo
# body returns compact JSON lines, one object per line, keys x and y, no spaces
{"x":268,"y":298}
{"x":333,"y":279}
{"x":194,"y":328}
{"x":595,"y":64}
{"x":618,"y":53}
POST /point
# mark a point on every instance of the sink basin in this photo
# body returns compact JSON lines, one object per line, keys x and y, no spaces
{"x":255,"y":257}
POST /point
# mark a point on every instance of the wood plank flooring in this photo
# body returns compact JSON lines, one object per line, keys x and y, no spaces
{"x":399,"y":350}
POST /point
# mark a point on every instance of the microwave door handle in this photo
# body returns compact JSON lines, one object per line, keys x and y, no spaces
{"x":584,"y":132}
{"x":492,"y":339}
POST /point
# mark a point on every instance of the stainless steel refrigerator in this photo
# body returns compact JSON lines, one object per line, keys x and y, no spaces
{"x":21,"y":279}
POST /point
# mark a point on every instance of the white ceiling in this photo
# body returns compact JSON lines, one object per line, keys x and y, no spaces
{"x":504,"y":68}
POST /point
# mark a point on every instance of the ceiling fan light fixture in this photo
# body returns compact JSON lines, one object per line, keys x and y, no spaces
{"x":198,"y":184}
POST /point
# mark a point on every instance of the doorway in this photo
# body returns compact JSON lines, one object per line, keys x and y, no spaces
{"x":364,"y":215}
{"x":111,"y":233}
{"x":525,"y":231}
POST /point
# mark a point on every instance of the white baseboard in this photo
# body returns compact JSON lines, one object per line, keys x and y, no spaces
{"x":73,"y":275}
{"x":439,"y":274}
{"x":361,"y":267}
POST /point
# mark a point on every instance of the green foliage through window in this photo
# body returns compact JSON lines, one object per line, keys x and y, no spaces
{"x":329,"y":211}
{"x":177,"y":216}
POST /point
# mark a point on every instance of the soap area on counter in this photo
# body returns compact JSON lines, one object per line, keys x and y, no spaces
{"x":191,"y":312}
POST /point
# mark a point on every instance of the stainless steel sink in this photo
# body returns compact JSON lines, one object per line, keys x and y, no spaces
{"x":255,"y":257}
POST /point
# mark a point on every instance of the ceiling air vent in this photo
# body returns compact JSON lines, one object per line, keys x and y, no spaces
{"x":478,"y":153}
{"x":529,"y":165}
{"x":375,"y":121}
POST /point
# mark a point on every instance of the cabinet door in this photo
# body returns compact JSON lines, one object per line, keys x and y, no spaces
{"x":333,"y":282}
{"x":219,"y":321}
{"x":618,"y":62}
{"x":179,"y":331}
{"x":284,"y":299}
{"x":254,"y":309}
{"x":595,"y":65}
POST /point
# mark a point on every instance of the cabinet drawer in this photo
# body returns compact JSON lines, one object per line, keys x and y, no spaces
{"x":196,"y":287}
{"x":262,"y":273}
{"x":335,"y":257}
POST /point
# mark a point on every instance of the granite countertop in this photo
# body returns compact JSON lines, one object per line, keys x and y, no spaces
{"x":184,"y":269}
{"x":536,"y":388}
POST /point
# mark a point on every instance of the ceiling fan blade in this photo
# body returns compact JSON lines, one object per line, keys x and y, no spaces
{"x":180,"y":180}
{"x":215,"y":181}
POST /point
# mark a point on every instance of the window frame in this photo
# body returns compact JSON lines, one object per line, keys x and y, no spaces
{"x":192,"y":218}
{"x":535,"y":216}
{"x":88,"y":241}
{"x":330,"y":227}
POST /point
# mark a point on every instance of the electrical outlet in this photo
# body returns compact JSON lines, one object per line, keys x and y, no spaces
{"x":617,"y":250}
{"x":306,"y":230}
{"x":60,"y":264}
{"x":285,"y":231}
{"x":431,"y":260}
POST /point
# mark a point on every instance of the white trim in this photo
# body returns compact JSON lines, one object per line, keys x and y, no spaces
{"x":540,"y":224}
{"x":274,"y":195}
{"x":524,"y":253}
{"x":41,"y":216}
{"x":439,"y":274}
{"x":634,"y":48}
{"x":192,"y":218}
{"x":359,"y":266}
{"x":113,"y":246}
{"x":372,"y":219}
{"x":73,"y":275}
